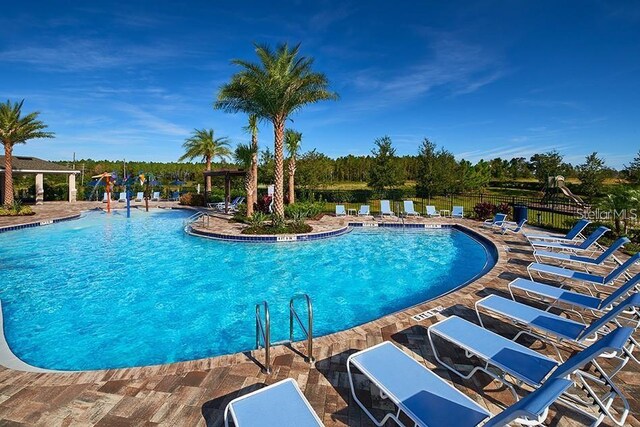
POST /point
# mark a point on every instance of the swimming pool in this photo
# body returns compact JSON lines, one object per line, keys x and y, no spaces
{"x":105,"y":291}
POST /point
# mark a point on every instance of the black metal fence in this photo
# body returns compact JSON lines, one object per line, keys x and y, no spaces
{"x":554,"y":214}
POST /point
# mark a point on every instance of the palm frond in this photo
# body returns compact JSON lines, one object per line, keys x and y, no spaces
{"x":203,"y":143}
{"x":18,"y":129}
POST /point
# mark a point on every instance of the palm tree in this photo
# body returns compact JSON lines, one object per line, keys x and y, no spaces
{"x":244,"y":155}
{"x":281,"y":83}
{"x":621,"y":204}
{"x":292,"y":141}
{"x":203,"y":144}
{"x":15,"y":129}
{"x":252,"y":128}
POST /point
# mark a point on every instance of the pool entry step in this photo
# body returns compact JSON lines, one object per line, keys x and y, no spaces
{"x":263,"y":327}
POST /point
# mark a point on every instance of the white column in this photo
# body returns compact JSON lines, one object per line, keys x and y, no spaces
{"x":39,"y":189}
{"x":73,"y":192}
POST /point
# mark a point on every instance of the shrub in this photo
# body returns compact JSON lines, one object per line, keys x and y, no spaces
{"x":503,"y":208}
{"x":257,"y":219}
{"x":262,"y":204}
{"x":484,"y":210}
{"x":301,"y":210}
{"x":240,"y":214}
{"x":279,"y":228}
{"x":192,"y":199}
{"x":17,"y":209}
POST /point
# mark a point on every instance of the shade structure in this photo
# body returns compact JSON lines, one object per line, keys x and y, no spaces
{"x":228,"y":174}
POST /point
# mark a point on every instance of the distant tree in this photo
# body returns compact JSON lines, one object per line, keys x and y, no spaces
{"x":546,"y":165}
{"x":17,"y":129}
{"x":244,"y":155}
{"x":292,"y":140}
{"x":498,"y":168}
{"x":266,"y":166}
{"x":314,"y":170}
{"x":633,"y":170}
{"x":519,"y":168}
{"x":436,"y":170}
{"x":278,"y":85}
{"x":591,"y":174}
{"x":472,"y":177}
{"x":204,"y":144}
{"x":384,"y":172}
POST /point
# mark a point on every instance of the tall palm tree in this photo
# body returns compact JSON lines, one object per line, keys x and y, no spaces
{"x":203,"y":144}
{"x":280,"y":84}
{"x":244,"y":155}
{"x":15,"y":129}
{"x":252,"y":128}
{"x":292,"y":140}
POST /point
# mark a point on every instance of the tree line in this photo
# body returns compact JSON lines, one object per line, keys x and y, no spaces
{"x":434,"y":170}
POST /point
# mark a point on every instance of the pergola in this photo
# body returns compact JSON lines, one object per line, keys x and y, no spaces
{"x":227,"y":174}
{"x":31,"y":165}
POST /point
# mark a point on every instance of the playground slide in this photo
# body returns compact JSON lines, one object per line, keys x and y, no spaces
{"x":565,"y":190}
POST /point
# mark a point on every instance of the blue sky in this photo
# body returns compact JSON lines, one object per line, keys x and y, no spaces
{"x":483,"y":79}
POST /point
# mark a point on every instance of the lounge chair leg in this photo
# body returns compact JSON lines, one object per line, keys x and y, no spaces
{"x":361,"y":405}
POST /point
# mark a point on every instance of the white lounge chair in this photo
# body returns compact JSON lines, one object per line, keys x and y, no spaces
{"x":574,"y":234}
{"x":457,"y":212}
{"x":573,"y":246}
{"x":385,"y":208}
{"x":543,"y":325}
{"x":279,"y":405}
{"x":139,"y":196}
{"x":428,"y":400}
{"x":408,"y":208}
{"x":497,"y":221}
{"x":105,"y":198}
{"x":340,"y":210}
{"x":156,"y":196}
{"x":564,"y":257}
{"x":364,"y":210}
{"x":512,"y":227}
{"x":175,"y":196}
{"x":511,"y":359}
{"x":555,"y":296}
{"x":123,"y":196}
{"x":432,"y":212}
{"x":582,"y":277}
{"x":220,"y":205}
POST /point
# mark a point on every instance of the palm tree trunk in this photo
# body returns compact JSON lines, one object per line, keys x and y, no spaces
{"x":248,"y":187}
{"x":254,"y":166}
{"x":8,"y":175}
{"x":278,"y":196}
{"x":207,"y":186}
{"x":292,"y":174}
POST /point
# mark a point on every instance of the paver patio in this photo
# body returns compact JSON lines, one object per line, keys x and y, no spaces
{"x":196,"y":392}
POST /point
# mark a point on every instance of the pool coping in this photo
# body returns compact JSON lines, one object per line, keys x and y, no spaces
{"x":32,"y":224}
{"x":278,"y":238}
{"x":9,"y":360}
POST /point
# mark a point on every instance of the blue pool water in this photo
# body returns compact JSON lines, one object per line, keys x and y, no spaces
{"x":105,"y":291}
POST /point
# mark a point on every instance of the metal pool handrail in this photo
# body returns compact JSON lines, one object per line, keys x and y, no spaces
{"x":264,"y":331}
{"x":308,"y":332}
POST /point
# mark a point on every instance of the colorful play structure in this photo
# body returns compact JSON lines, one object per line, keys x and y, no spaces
{"x":556,"y":186}
{"x":110,"y":179}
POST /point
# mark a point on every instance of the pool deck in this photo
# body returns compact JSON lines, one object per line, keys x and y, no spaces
{"x":196,"y":392}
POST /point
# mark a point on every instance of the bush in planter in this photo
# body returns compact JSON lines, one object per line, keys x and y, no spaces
{"x":484,"y":210}
{"x":192,"y":199}
{"x":17,"y":209}
{"x":262,"y":204}
{"x":299,"y":211}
